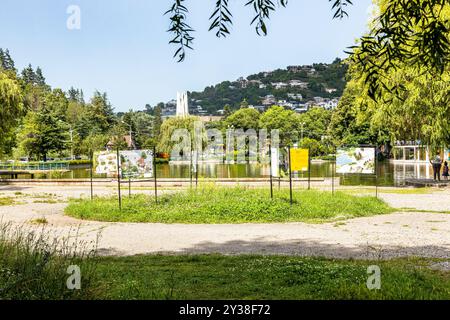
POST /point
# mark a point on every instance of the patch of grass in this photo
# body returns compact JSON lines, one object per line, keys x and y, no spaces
{"x":338,"y":224}
{"x":229,"y":205}
{"x":39,"y":221}
{"x":33,"y":265}
{"x":6,"y":201}
{"x":266,"y":277}
{"x":49,"y":201}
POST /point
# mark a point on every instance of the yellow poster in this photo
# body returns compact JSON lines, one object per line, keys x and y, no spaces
{"x":299,"y":159}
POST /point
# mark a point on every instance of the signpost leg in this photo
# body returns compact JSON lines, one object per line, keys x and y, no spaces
{"x":333,"y":167}
{"x":129,"y":186}
{"x":309,"y":169}
{"x":191,"y":167}
{"x":270,"y":169}
{"x":154,"y":174}
{"x":118,"y":179}
{"x":196,"y":170}
{"x":376,"y":175}
{"x":290,"y":175}
{"x":90,"y":176}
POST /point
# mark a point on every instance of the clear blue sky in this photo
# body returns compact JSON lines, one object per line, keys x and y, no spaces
{"x":122,"y":47}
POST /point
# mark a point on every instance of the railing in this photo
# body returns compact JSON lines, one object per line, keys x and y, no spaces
{"x":36,"y":166}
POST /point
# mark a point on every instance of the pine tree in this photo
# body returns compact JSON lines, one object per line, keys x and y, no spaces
{"x":2,"y":59}
{"x":157,"y":121}
{"x":28,"y":75}
{"x":39,"y":77}
{"x":8,"y":62}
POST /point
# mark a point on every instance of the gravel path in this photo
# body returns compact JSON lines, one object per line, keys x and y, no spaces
{"x":400,"y":234}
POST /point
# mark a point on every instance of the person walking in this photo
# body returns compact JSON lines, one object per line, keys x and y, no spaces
{"x":445,"y":171}
{"x":436,"y":163}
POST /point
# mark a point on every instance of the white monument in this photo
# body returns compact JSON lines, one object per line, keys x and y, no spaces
{"x":182,"y":104}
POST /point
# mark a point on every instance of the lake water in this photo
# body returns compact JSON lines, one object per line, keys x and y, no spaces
{"x":389,"y":173}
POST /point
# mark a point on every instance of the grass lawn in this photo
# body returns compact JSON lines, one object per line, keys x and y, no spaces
{"x":266,"y":277}
{"x":229,"y":205}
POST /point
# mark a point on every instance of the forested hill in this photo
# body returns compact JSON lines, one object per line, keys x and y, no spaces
{"x":295,"y":83}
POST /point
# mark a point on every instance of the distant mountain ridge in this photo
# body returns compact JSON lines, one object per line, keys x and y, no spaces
{"x":296,"y":87}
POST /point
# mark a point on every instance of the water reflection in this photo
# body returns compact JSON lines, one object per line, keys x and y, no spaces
{"x":389,"y":173}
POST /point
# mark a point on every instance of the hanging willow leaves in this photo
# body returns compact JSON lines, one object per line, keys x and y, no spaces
{"x":221,"y":20}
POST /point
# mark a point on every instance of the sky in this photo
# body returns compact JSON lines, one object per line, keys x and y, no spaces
{"x":122,"y":46}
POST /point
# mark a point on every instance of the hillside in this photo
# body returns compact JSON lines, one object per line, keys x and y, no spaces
{"x":295,"y":85}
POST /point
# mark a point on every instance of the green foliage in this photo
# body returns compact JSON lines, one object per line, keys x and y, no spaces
{"x":244,"y":119}
{"x":221,"y":20}
{"x":248,"y":277}
{"x":278,"y":118}
{"x":33,"y":265}
{"x":165,"y":143}
{"x":229,"y":205}
{"x":11,"y":108}
{"x":316,"y":122}
{"x":413,"y":33}
{"x":42,"y":132}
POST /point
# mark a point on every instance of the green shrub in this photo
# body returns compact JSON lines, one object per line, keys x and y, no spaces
{"x":33,"y":265}
{"x":229,"y":205}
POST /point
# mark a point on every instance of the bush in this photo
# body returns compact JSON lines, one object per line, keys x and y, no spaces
{"x":229,"y":205}
{"x":33,"y":265}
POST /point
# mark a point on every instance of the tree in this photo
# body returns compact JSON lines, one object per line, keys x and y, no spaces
{"x":39,"y":77}
{"x":315,"y":122}
{"x":245,"y":119}
{"x":227,"y":110}
{"x":41,"y":133}
{"x":101,"y":112}
{"x":404,"y":32}
{"x":75,"y":95}
{"x":278,"y":118}
{"x":148,"y":109}
{"x":6,"y":62}
{"x":28,"y":75}
{"x":157,"y":120}
{"x":164,"y":142}
{"x":11,"y":108}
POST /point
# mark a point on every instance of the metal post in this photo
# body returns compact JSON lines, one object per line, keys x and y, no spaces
{"x":270,"y":169}
{"x":154,"y":173}
{"x":333,"y":168}
{"x":191,"y":165}
{"x":290,"y":175}
{"x":376,"y":174}
{"x":196,"y":169}
{"x":129,"y":185}
{"x":91,"y":174}
{"x":309,"y":169}
{"x":118,"y":179}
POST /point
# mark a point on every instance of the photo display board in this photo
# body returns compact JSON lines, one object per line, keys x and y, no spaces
{"x":356,"y":160}
{"x":132,"y":163}
{"x":299,"y":159}
{"x":105,"y":162}
{"x":275,"y":162}
{"x":136,"y":163}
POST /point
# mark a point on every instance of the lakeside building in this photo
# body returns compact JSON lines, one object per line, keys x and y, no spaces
{"x":415,"y":152}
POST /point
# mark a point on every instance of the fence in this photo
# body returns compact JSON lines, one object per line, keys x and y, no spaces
{"x":35,"y":166}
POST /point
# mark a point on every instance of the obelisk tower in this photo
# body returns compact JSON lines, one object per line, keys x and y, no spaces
{"x":182,"y":104}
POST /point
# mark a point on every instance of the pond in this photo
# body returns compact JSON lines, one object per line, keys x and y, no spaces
{"x":389,"y":173}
